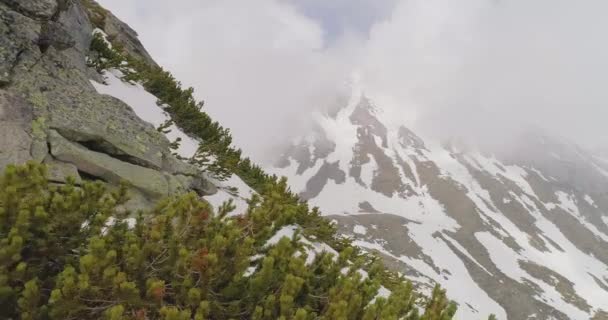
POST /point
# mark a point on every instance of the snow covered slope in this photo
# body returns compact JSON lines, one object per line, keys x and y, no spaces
{"x":144,"y":104}
{"x":523,"y":235}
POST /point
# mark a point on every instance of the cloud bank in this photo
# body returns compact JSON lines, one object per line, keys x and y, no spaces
{"x":472,"y":68}
{"x":486,"y":68}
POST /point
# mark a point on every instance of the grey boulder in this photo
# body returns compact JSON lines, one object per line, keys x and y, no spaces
{"x":15,"y":133}
{"x":43,"y":9}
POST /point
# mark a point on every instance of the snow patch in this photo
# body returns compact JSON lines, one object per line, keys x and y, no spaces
{"x":145,"y":106}
{"x":568,"y":203}
{"x":131,"y":222}
{"x":508,"y":262}
{"x":359,"y":229}
{"x":590,"y":201}
{"x":368,"y":171}
{"x":605,"y":219}
{"x":311,"y":249}
{"x":233,"y":189}
{"x":511,"y":172}
{"x":297,"y":182}
{"x":466,"y":253}
{"x":249,"y":271}
{"x":383,"y":293}
{"x":286,"y":231}
{"x":104,"y":37}
{"x":601,"y":170}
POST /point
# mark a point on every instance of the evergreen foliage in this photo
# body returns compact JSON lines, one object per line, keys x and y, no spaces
{"x":105,"y":57}
{"x":216,"y":155}
{"x":60,"y":258}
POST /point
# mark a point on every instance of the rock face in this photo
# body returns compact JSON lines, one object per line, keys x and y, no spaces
{"x":60,"y":171}
{"x":43,"y":9}
{"x":522,"y":234}
{"x":50,"y":112}
{"x":106,"y":167}
{"x":15,"y":129}
{"x":123,"y":33}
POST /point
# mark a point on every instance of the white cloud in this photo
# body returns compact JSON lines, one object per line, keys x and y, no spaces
{"x":260,"y":66}
{"x":489,"y":68}
{"x":472,"y":68}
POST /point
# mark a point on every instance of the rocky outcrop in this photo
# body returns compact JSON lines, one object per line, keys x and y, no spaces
{"x":15,"y":129}
{"x":107,"y":168}
{"x":317,"y":182}
{"x":154,"y":183}
{"x":76,"y":22}
{"x":51,"y":113}
{"x":128,"y":37}
{"x":43,"y":9}
{"x":59,"y":171}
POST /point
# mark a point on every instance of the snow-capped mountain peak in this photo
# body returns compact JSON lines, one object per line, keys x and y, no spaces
{"x":522,"y":234}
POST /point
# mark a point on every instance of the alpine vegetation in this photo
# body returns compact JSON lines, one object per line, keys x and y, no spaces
{"x":123,"y":199}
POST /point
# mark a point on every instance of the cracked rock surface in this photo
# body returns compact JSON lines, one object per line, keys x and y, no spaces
{"x":50,"y":112}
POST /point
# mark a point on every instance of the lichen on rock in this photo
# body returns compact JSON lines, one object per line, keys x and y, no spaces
{"x":43,"y":9}
{"x":47,"y":100}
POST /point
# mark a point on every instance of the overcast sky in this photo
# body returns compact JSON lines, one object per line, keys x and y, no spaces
{"x":469,"y":67}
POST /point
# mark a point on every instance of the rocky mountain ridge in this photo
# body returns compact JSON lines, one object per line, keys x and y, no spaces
{"x":50,"y":112}
{"x":522,"y":238}
{"x":521,"y":234}
{"x":81,"y":95}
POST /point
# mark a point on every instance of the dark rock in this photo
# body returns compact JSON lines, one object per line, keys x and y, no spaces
{"x":47,"y":99}
{"x":176,"y":166}
{"x":151,"y":182}
{"x":15,"y":129}
{"x":60,"y":171}
{"x":367,"y":207}
{"x":121,"y":32}
{"x":53,"y":34}
{"x":75,"y":22}
{"x":409,"y":139}
{"x":363,"y":116}
{"x":17,"y":34}
{"x":43,"y":9}
{"x":202,"y":186}
{"x":328,"y":171}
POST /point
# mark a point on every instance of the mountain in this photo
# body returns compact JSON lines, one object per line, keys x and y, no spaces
{"x":521,"y":232}
{"x":120,"y":198}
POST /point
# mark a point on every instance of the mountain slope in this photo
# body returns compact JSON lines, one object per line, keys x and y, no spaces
{"x":521,"y":234}
{"x":88,"y":110}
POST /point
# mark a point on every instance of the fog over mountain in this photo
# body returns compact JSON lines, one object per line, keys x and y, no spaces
{"x":475,"y":68}
{"x":443,"y":159}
